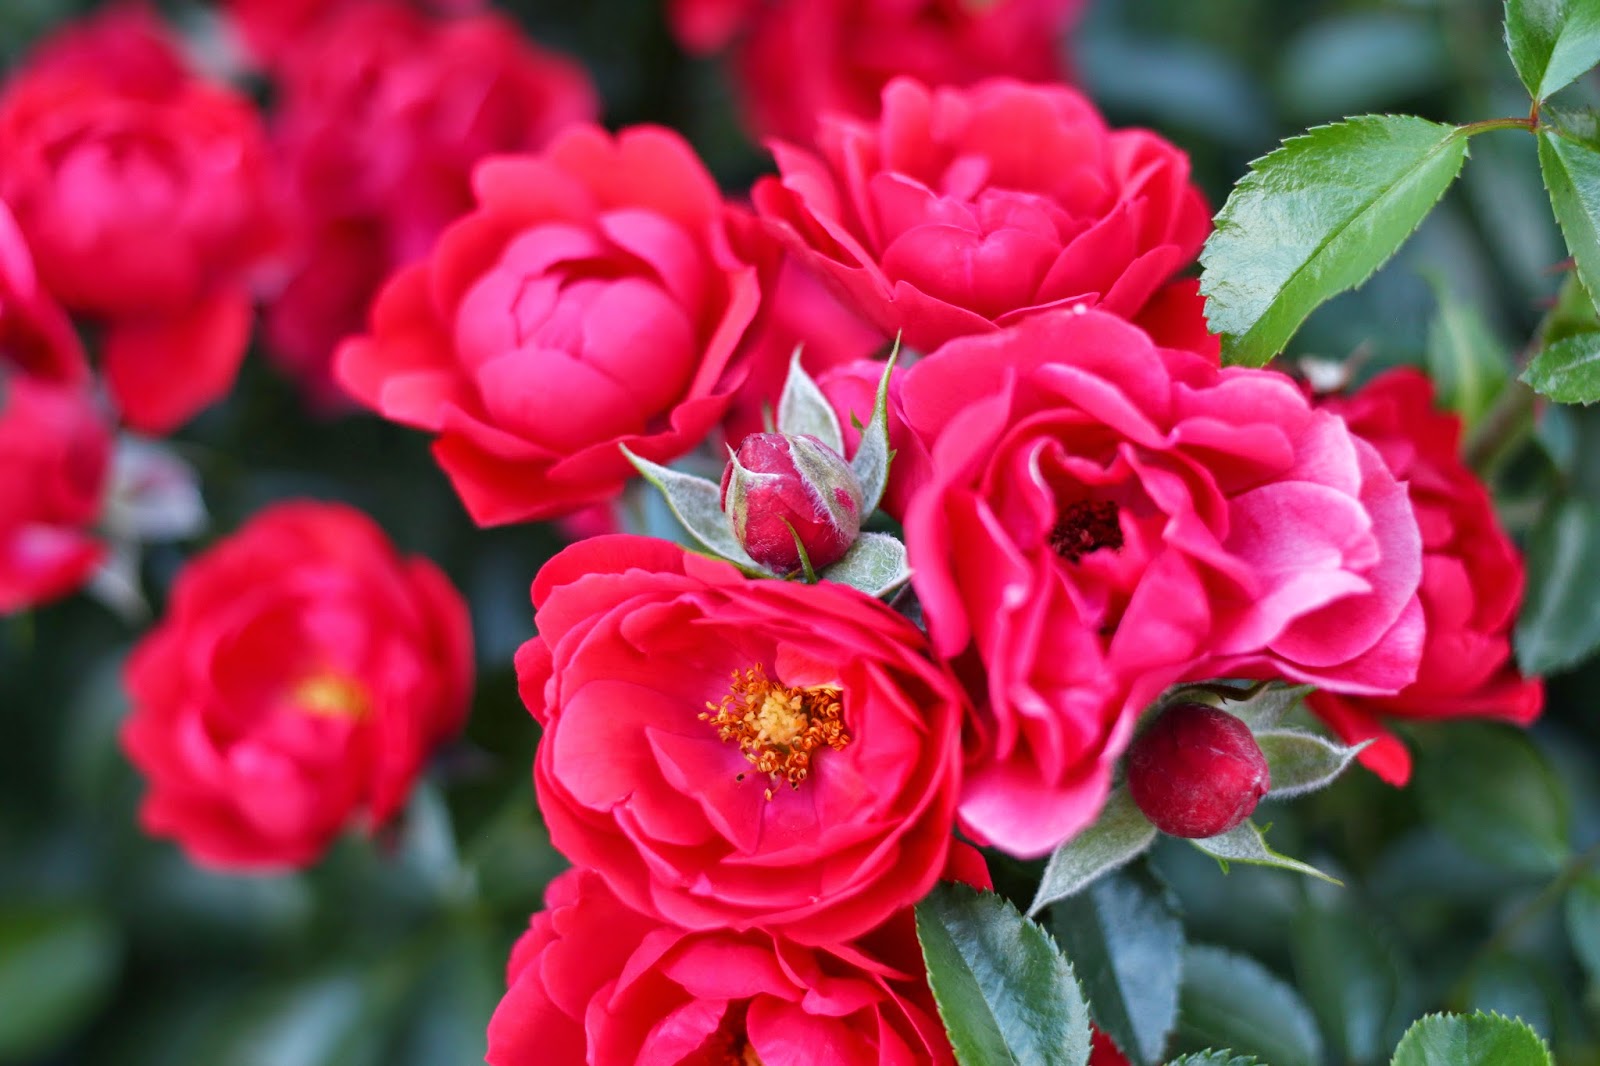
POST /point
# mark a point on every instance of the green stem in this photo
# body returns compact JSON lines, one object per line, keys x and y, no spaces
{"x":1501,"y":427}
{"x":1472,"y":129}
{"x":1547,"y":896}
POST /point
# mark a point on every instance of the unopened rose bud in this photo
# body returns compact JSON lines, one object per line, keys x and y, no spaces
{"x":1197,"y":771}
{"x":776,"y":483}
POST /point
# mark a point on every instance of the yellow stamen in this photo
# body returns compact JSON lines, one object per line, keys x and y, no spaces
{"x":331,"y":695}
{"x":778,"y":727}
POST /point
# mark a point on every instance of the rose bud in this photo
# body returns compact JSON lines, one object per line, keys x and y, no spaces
{"x":1197,"y":771}
{"x":778,"y":487}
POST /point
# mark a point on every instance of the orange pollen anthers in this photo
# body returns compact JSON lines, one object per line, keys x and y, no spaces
{"x":332,"y":695}
{"x":778,"y":728}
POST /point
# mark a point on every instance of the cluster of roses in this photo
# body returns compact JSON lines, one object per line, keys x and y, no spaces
{"x":755,"y":778}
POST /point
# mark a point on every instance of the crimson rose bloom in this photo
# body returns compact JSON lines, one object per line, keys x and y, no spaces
{"x":1471,"y":579}
{"x":964,"y":210}
{"x":55,"y":449}
{"x":272,"y":31}
{"x":303,"y":672}
{"x":799,"y":59}
{"x":35,"y":334}
{"x":736,"y":753}
{"x":144,"y":194}
{"x":592,"y":299}
{"x":1105,"y":517}
{"x":383,"y":113}
{"x":592,"y":981}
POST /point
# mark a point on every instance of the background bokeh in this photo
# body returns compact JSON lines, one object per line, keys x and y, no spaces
{"x":1474,"y":888}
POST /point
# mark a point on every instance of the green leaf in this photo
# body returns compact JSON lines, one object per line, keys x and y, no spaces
{"x":1552,"y":41}
{"x":1471,"y":1040}
{"x":1118,"y":836}
{"x":1571,"y":172}
{"x":1215,"y":1058}
{"x":875,"y":564}
{"x":803,"y":408}
{"x":1583,"y":924}
{"x":1466,"y":361}
{"x":1006,"y":994}
{"x":872,"y":458}
{"x":1560,"y":623}
{"x":697,"y":503}
{"x":1350,"y":977}
{"x":1246,"y":843}
{"x":1231,"y":1000}
{"x":1488,"y":788}
{"x":1303,"y":762}
{"x":1126,"y":945}
{"x":1316,"y":217}
{"x":57,"y":967}
{"x":1567,"y":371}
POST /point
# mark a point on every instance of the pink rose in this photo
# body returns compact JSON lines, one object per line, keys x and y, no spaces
{"x":593,"y":298}
{"x":1472,"y":577}
{"x":1105,"y":517}
{"x":961,"y":211}
{"x":733,"y":753}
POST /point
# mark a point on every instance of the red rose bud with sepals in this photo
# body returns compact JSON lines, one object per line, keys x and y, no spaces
{"x":778,"y":487}
{"x":1197,"y":771}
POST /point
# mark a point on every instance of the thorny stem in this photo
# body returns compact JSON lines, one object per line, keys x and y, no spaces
{"x":1551,"y":893}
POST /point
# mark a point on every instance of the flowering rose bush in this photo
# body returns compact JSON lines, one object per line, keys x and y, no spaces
{"x":591,"y":299}
{"x":145,"y":195}
{"x":382,"y":115}
{"x":798,"y":60}
{"x":1104,"y":517}
{"x":593,"y":981}
{"x":1472,"y":579}
{"x":1019,"y":543}
{"x":963,"y":210}
{"x":735,"y":754}
{"x":270,"y":714}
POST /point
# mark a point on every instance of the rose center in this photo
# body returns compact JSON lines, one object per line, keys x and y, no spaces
{"x":1085,"y":526}
{"x":729,"y":1046}
{"x":332,"y":695}
{"x":778,"y":727}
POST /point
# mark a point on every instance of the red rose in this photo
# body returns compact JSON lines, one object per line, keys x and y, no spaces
{"x":592,"y":981}
{"x":800,"y":59}
{"x":272,"y":31}
{"x":144,"y":194}
{"x":592,"y":299}
{"x":382,"y":114}
{"x":964,"y":210}
{"x":301,"y":675}
{"x":55,"y":450}
{"x":1105,"y":517}
{"x":35,"y":334}
{"x":1472,"y":579}
{"x":736,"y":753}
